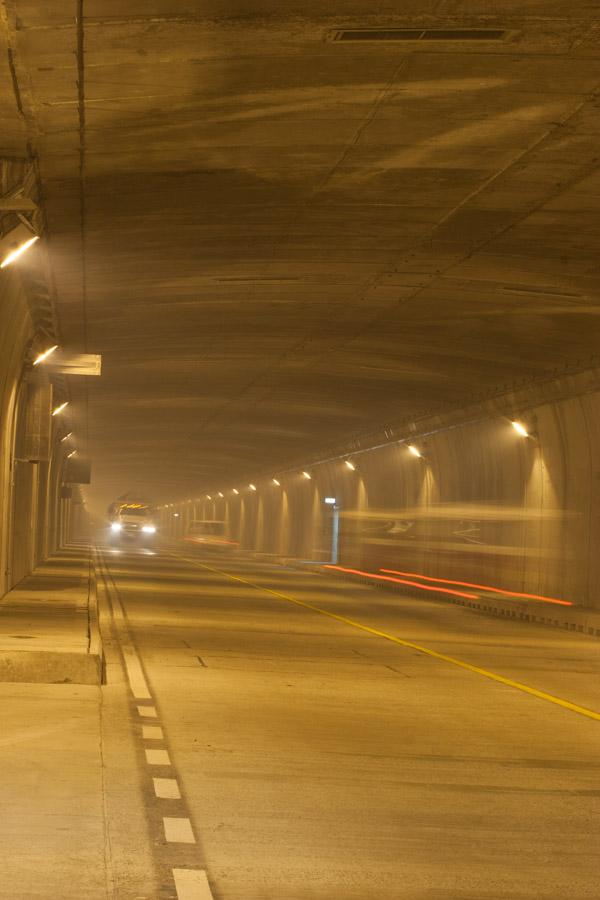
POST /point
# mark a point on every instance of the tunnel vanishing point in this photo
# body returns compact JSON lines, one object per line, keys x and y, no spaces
{"x":312,"y":289}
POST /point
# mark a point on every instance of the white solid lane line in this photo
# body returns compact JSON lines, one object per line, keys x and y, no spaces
{"x":152,"y":733}
{"x":178,"y":830}
{"x":192,"y":884}
{"x":137,"y":681}
{"x":157,"y":758}
{"x":166,"y":789}
{"x":149,"y":712}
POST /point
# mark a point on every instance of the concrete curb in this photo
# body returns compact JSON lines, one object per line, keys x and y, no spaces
{"x":46,"y":666}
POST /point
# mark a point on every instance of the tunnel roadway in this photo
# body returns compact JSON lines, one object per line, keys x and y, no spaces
{"x":299,"y":752}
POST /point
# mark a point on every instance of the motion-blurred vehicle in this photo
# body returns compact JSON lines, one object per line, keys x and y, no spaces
{"x":131,"y":521}
{"x":209,"y":534}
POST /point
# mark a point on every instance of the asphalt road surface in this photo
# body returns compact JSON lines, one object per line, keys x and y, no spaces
{"x":302,"y":738}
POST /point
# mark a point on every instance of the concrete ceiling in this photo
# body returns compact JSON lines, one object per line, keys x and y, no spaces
{"x":277,"y":240}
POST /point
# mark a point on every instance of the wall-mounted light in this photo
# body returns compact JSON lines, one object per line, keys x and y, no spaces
{"x":520,"y":429}
{"x":415,"y":452}
{"x":330,"y":501}
{"x":252,"y":487}
{"x":40,"y":359}
{"x":235,"y":491}
{"x":349,"y":465}
{"x":307,"y":475}
{"x":15,"y":244}
{"x":275,"y":482}
{"x":59,"y":409}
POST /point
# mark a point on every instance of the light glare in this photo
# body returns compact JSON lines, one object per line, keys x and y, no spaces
{"x":44,"y":355}
{"x":350,"y":465}
{"x":412,"y":449}
{"x":307,"y":475}
{"x":149,"y":529}
{"x":60,"y":408}
{"x":330,"y":501}
{"x":278,"y":483}
{"x":520,"y":429}
{"x":116,"y":526}
{"x":18,"y":252}
{"x":235,"y":491}
{"x":252,"y":487}
{"x":66,"y":437}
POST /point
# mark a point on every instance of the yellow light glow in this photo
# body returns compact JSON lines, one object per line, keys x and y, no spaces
{"x":520,"y":429}
{"x":208,"y":497}
{"x":19,"y":251}
{"x":235,"y":491}
{"x":66,"y":437}
{"x":252,"y":487}
{"x":44,"y":355}
{"x":72,"y":453}
{"x":350,"y":465}
{"x":278,"y":483}
{"x":60,"y":408}
{"x":307,"y":475}
{"x":220,"y":494}
{"x":412,"y":449}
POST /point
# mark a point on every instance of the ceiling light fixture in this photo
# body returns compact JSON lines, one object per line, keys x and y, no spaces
{"x":220,"y":494}
{"x":350,"y":465}
{"x":235,"y":491}
{"x":520,"y":429}
{"x":15,"y":244}
{"x":66,"y":437}
{"x":72,"y":453}
{"x":252,"y":487}
{"x":59,"y":409}
{"x":278,"y":483}
{"x":307,"y":475}
{"x":415,"y":452}
{"x":40,"y":359}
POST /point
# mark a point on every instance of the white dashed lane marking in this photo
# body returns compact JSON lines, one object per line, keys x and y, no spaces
{"x":178,"y":830}
{"x":152,"y":733}
{"x":166,"y":789}
{"x":192,"y":884}
{"x":157,"y":757}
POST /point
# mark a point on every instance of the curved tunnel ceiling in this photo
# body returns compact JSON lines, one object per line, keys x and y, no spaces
{"x":277,"y":240}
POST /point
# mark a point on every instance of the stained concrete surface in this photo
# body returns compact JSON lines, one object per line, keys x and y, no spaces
{"x":48,"y":624}
{"x":320,"y":761}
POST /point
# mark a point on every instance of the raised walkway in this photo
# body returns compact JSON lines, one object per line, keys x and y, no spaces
{"x":49,"y":623}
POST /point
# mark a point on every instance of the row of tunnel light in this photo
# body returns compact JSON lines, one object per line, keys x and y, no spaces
{"x":411,"y":448}
{"x":42,"y":357}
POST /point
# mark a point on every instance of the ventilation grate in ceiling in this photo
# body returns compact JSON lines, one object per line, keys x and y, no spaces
{"x":419,"y":34}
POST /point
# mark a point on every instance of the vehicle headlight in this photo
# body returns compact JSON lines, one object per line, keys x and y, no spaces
{"x":149,"y":529}
{"x":115,"y":526}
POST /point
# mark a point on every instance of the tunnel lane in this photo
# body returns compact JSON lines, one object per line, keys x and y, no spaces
{"x":318,"y":760}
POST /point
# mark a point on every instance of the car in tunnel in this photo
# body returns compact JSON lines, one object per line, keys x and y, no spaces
{"x":210,"y":534}
{"x":132,"y":522}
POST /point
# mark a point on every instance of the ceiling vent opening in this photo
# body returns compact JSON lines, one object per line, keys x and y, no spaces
{"x":419,"y":34}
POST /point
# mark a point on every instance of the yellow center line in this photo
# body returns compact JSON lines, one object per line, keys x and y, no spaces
{"x":501,"y":679}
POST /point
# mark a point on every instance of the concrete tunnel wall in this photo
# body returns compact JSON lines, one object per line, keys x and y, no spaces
{"x":483,"y":505}
{"x":34,"y":519}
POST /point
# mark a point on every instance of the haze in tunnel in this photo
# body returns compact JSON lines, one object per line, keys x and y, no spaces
{"x":299,"y":303}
